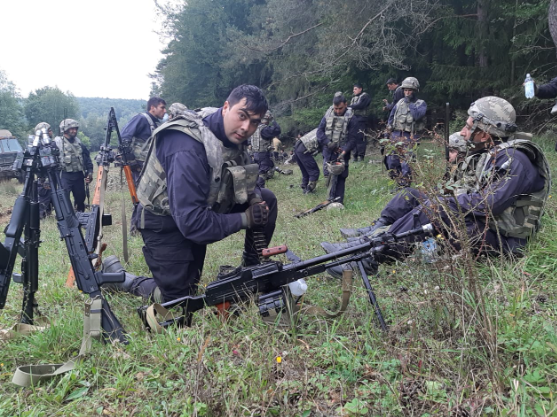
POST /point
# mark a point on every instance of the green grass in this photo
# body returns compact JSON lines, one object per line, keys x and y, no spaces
{"x":466,"y":338}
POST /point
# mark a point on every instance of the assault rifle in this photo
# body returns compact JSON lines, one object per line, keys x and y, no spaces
{"x":318,"y":207}
{"x":269,"y":280}
{"x":125,"y":154}
{"x":94,"y":220}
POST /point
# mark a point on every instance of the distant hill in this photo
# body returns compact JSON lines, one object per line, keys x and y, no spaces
{"x":97,"y":106}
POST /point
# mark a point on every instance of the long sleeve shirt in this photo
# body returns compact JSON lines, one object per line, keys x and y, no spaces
{"x":397,"y":95}
{"x":417,"y":111}
{"x":188,"y":180}
{"x":548,"y":90}
{"x":351,"y":135}
{"x":138,"y":127}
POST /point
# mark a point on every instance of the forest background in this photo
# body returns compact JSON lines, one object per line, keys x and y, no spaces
{"x":302,"y":51}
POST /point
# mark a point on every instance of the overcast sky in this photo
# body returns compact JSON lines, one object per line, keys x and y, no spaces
{"x":91,"y":48}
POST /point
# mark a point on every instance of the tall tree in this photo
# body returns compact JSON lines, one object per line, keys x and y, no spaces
{"x":11,"y":112}
{"x":51,"y":105}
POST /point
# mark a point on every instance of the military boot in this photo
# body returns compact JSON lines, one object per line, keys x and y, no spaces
{"x":310,"y":187}
{"x":364,"y":231}
{"x":111,"y":264}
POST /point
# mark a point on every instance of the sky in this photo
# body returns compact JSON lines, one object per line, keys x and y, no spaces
{"x":91,"y":48}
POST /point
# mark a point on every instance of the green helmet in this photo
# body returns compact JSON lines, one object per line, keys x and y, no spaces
{"x":176,"y":109}
{"x":43,"y":125}
{"x":493,"y":115}
{"x":411,"y":82}
{"x":456,"y":141}
{"x":68,"y":124}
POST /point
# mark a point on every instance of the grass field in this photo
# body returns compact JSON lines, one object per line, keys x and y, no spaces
{"x":466,"y":338}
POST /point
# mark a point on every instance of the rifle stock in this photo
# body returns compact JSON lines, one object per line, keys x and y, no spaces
{"x":269,"y":277}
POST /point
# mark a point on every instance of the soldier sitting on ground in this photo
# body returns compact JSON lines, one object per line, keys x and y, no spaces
{"x":500,"y":201}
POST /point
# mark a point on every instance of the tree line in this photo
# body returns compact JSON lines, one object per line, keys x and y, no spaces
{"x":50,"y":104}
{"x":302,"y":51}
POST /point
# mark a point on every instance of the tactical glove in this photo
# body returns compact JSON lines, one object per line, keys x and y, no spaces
{"x":255,"y":216}
{"x":254,"y":199}
{"x":332,"y":146}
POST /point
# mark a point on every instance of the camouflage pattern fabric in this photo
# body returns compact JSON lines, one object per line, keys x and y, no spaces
{"x":41,"y":126}
{"x":138,"y":146}
{"x":71,"y":154}
{"x":176,"y":109}
{"x":403,"y":119}
{"x":411,"y":82}
{"x":232,"y":177}
{"x":362,"y":112}
{"x":310,"y":141}
{"x":457,"y":142}
{"x":493,"y":115}
{"x":68,"y":124}
{"x":258,"y":144}
{"x":336,"y":127}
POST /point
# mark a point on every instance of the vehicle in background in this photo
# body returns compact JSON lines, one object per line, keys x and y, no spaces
{"x":9,"y":148}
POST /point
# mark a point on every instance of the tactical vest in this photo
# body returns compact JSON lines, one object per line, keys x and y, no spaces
{"x":138,"y":145}
{"x":522,"y":218}
{"x":258,"y":144}
{"x":336,"y":127}
{"x":310,"y":142}
{"x":71,"y":154}
{"x":232,"y":177}
{"x":361,"y":112}
{"x":403,"y":119}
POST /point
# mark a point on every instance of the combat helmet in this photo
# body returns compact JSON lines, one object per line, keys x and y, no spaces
{"x":493,"y":115}
{"x":176,"y":109}
{"x":411,"y":82}
{"x":336,"y":167}
{"x":68,"y":124}
{"x":456,"y":141}
{"x":43,"y":125}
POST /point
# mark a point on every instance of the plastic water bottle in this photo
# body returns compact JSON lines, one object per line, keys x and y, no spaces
{"x":429,"y":250}
{"x":298,"y":288}
{"x":529,"y":86}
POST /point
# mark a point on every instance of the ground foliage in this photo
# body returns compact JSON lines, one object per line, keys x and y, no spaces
{"x":468,"y":336}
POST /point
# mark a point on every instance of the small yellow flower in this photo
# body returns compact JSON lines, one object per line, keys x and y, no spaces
{"x":279,"y":359}
{"x":394,"y":271}
{"x":178,"y":339}
{"x":549,"y":197}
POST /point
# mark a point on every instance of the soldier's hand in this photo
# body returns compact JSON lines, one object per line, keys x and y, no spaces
{"x":332,"y":146}
{"x":254,"y":199}
{"x":88,"y":177}
{"x":255,"y":216}
{"x":385,"y":101}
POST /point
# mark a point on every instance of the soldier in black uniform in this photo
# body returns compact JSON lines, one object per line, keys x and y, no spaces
{"x":75,"y":162}
{"x":360,"y":108}
{"x":501,"y":203}
{"x":197,"y":188}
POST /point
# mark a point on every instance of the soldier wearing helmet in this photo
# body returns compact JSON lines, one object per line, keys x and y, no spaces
{"x":175,"y":110}
{"x":406,"y":121}
{"x":501,"y":201}
{"x":260,"y":143}
{"x":360,"y":107}
{"x":75,"y":162}
{"x":139,"y":129}
{"x":337,"y":134}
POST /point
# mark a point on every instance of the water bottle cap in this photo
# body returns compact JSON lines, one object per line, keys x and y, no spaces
{"x":528,"y":75}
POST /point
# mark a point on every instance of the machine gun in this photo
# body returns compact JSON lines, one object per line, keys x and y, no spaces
{"x":41,"y":159}
{"x":269,"y":280}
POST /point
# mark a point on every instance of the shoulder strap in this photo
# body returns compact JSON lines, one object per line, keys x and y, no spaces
{"x":151,"y":123}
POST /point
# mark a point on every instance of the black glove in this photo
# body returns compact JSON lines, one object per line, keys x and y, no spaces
{"x":254,"y":199}
{"x":332,"y":146}
{"x":255,"y":216}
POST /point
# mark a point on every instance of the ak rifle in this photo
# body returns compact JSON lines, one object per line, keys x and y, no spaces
{"x":269,"y":279}
{"x":318,"y":207}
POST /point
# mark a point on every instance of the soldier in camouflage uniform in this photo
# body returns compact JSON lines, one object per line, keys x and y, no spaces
{"x":501,"y":200}
{"x":261,"y":147}
{"x":75,"y":162}
{"x":360,"y":107}
{"x":406,"y":121}
{"x":198,"y":187}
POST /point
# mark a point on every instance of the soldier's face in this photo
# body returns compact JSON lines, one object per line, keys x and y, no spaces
{"x":158,"y":111}
{"x":71,"y":133}
{"x":357,"y":90}
{"x":340,"y":109}
{"x":408,"y":92}
{"x":239,"y":122}
{"x":475,"y":136}
{"x":392,"y":87}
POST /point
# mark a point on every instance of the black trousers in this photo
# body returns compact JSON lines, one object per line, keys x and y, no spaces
{"x":74,"y":182}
